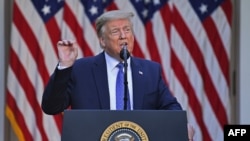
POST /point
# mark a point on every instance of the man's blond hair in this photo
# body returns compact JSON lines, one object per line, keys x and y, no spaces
{"x":111,"y":15}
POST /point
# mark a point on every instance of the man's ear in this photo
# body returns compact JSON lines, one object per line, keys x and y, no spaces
{"x":102,"y":42}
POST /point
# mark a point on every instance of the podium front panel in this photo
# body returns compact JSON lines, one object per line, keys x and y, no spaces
{"x":101,"y":125}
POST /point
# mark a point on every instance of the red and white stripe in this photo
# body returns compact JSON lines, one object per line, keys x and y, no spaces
{"x":202,"y":53}
{"x":32,"y":59}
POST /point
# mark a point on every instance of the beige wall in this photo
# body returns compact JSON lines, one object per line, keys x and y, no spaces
{"x":244,"y":66}
{"x":5,"y":18}
{"x":1,"y":71}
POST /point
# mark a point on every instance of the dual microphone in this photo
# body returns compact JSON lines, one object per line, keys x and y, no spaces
{"x":124,"y":53}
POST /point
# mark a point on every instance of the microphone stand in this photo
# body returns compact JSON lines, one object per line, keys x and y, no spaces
{"x":124,"y":54}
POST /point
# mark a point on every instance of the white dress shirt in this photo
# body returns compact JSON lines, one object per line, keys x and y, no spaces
{"x":112,"y":71}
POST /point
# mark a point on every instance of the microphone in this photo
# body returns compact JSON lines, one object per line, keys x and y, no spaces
{"x":124,"y":54}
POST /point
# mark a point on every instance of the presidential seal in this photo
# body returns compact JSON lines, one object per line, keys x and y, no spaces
{"x":124,"y":131}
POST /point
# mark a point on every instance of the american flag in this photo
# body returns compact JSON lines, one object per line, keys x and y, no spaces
{"x":190,"y":39}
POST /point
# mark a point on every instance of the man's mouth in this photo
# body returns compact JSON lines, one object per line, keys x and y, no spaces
{"x":123,"y":44}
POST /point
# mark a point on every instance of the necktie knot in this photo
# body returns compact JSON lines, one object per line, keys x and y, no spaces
{"x":120,"y":66}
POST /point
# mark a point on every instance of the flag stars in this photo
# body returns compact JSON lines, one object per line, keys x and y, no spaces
{"x":46,"y":9}
{"x":145,"y":13}
{"x":146,"y":1}
{"x":203,"y":8}
{"x":93,"y":10}
{"x":156,"y":2}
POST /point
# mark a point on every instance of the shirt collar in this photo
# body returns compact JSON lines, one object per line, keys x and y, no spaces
{"x":112,"y":62}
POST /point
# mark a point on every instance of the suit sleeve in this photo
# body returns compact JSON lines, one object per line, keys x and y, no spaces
{"x":56,"y":94}
{"x":166,"y":99}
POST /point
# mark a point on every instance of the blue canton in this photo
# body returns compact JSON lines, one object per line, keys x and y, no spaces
{"x":47,"y":8}
{"x":146,"y":8}
{"x":94,"y":8}
{"x":204,"y":8}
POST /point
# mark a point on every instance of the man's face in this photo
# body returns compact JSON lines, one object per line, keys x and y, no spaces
{"x":117,"y":33}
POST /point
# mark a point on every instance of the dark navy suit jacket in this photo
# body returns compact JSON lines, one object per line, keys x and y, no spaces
{"x":85,"y":86}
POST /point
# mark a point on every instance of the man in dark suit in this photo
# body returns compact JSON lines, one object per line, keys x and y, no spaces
{"x":89,"y":83}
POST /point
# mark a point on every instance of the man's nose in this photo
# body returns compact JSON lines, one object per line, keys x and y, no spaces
{"x":122,"y":34}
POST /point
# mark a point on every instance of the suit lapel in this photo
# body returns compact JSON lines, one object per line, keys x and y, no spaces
{"x":100,"y":76}
{"x":137,"y":78}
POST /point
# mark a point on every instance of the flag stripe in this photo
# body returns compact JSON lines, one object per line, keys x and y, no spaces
{"x":54,"y":32}
{"x":162,"y":39}
{"x":217,"y":47}
{"x":26,"y":58}
{"x":198,"y":58}
{"x":151,"y":45}
{"x":30,"y":40}
{"x":18,"y":121}
{"x":227,"y":8}
{"x":30,"y":91}
{"x":36,"y":24}
{"x":24,"y":108}
{"x":112,"y":6}
{"x":77,"y":30}
{"x":89,"y":34}
{"x":33,"y":45}
{"x":195,"y":86}
{"x":223,"y":28}
{"x":166,"y":17}
{"x":23,"y":31}
{"x":194,"y":103}
{"x":205,"y":46}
